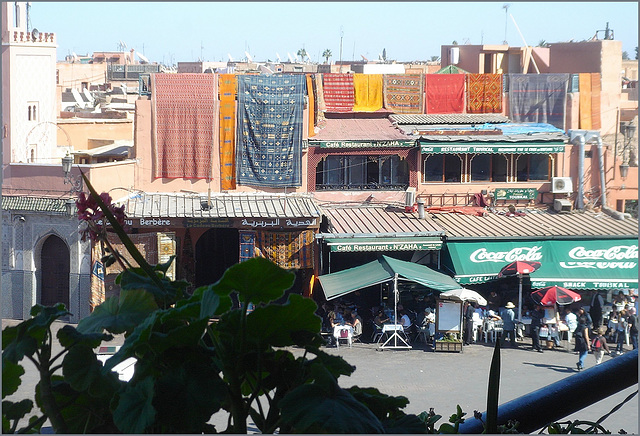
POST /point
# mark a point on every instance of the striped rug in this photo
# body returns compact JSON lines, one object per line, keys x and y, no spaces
{"x":228,"y":91}
{"x":338,"y":92}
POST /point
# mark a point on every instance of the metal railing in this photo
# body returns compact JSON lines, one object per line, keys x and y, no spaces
{"x":565,"y":397}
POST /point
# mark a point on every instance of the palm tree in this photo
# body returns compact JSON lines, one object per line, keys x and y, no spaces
{"x":302,"y":53}
{"x":326,"y":55}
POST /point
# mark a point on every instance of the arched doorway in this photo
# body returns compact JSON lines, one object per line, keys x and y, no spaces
{"x":216,"y":250}
{"x":54,"y":266}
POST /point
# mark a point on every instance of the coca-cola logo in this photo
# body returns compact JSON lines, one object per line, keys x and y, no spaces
{"x":520,"y":253}
{"x":617,"y":252}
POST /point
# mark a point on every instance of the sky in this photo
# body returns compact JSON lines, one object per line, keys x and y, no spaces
{"x":171,"y":32}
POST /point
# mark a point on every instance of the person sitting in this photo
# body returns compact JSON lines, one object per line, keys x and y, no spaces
{"x":356,"y":323}
{"x":380,"y":318}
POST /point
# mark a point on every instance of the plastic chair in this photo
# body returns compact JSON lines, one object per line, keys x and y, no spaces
{"x":377,"y":332}
{"x":344,"y":333}
{"x":497,"y":330}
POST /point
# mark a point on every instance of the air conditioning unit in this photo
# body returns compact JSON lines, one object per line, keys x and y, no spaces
{"x":561,"y":205}
{"x":561,"y":185}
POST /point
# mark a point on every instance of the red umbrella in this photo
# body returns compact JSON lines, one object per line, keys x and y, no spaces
{"x":554,"y":295}
{"x":519,"y":267}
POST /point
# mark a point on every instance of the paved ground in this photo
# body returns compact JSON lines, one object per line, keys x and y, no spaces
{"x":443,"y":380}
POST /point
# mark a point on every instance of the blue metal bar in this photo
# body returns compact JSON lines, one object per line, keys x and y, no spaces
{"x":565,"y":397}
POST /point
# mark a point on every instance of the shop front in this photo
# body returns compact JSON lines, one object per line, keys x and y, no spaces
{"x":574,"y":263}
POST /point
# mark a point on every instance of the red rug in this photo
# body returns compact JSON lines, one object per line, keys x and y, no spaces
{"x":484,"y":93}
{"x":338,"y":92}
{"x":185,"y":123}
{"x":445,"y":93}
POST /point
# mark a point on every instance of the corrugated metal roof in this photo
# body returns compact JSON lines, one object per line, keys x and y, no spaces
{"x":372,"y":220}
{"x":448,"y":118}
{"x":354,"y":129}
{"x":225,"y":205}
{"x":34,"y":204}
{"x":535,"y":224}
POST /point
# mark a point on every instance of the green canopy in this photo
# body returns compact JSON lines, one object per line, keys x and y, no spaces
{"x":382,"y":270}
{"x":451,"y":69}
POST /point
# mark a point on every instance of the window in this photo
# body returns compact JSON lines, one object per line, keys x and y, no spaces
{"x":442,"y":168}
{"x":32,"y":111}
{"x":532,"y":167}
{"x":481,"y":168}
{"x":362,"y":172}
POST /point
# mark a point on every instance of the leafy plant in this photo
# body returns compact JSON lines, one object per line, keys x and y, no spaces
{"x":196,"y":355}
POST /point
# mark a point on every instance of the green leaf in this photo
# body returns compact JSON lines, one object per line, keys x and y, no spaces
{"x":405,"y":424}
{"x":81,"y":367}
{"x":167,"y":294}
{"x":447,"y":429}
{"x":119,"y":315}
{"x":313,"y":408}
{"x":16,"y":411}
{"x":257,"y":280}
{"x":134,"y":411}
{"x":17,"y":343}
{"x":187,"y":395}
{"x":299,"y":313}
{"x":11,"y":377}
{"x":212,"y":303}
{"x":382,"y":405}
{"x":69,"y":336}
{"x":493,"y":391}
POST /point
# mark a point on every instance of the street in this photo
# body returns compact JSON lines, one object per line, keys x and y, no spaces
{"x":443,"y":380}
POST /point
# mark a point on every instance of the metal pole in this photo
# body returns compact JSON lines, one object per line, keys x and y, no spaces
{"x":520,"y":298}
{"x":395,"y":309}
{"x":564,"y":397}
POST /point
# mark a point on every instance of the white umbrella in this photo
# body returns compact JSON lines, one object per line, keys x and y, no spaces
{"x":463,"y":294}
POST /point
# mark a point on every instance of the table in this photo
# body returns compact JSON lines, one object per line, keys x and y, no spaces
{"x":394,"y":331}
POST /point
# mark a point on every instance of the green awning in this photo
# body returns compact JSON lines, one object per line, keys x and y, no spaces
{"x":492,"y":147}
{"x":573,"y":264}
{"x":382,"y":270}
{"x":352,"y":245}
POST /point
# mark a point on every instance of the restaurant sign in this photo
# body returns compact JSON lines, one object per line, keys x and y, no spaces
{"x":367,"y":143}
{"x":516,"y":194}
{"x":487,"y":148}
{"x":352,"y":245}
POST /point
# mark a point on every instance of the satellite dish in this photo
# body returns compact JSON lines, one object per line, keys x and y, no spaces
{"x":35,"y":33}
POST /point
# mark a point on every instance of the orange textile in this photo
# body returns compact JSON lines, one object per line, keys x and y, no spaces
{"x":595,"y":101}
{"x":584,"y":84}
{"x":287,"y":249}
{"x":228,"y":91}
{"x":312,"y":108}
{"x":367,"y":92}
{"x":97,"y":295}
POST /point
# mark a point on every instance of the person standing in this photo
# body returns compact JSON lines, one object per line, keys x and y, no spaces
{"x":468,"y":322}
{"x":583,"y":344}
{"x":599,"y":344}
{"x":596,"y":309}
{"x":509,"y":324}
{"x":633,"y":328}
{"x":536,"y":322}
{"x":621,"y":331}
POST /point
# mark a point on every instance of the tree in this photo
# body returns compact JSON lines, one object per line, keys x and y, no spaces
{"x":454,"y":42}
{"x":636,"y":53}
{"x":434,"y":58}
{"x":384,"y":54}
{"x":625,"y":56}
{"x":543,"y":43}
{"x":302,"y":53}
{"x":326,"y":55}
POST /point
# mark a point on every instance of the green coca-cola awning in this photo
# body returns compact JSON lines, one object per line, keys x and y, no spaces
{"x":570,"y":263}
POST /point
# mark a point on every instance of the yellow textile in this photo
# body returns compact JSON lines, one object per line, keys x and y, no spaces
{"x":228,"y":90}
{"x":97,"y":296}
{"x":312,"y":104}
{"x":596,"y":123}
{"x":584,"y":84}
{"x":367,"y":92}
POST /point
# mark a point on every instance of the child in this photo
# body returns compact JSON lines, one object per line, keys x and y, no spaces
{"x":599,"y":344}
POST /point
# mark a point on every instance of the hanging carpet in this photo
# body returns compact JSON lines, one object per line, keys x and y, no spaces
{"x":403,"y":93}
{"x":228,"y":91}
{"x":270,"y":122}
{"x":444,"y":93}
{"x":538,"y":98}
{"x":287,"y":249}
{"x":184,"y":108}
{"x":484,"y":93}
{"x":367,"y":92}
{"x":338,"y":92}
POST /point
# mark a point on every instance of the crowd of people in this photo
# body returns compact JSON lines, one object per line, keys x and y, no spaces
{"x":596,"y":330}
